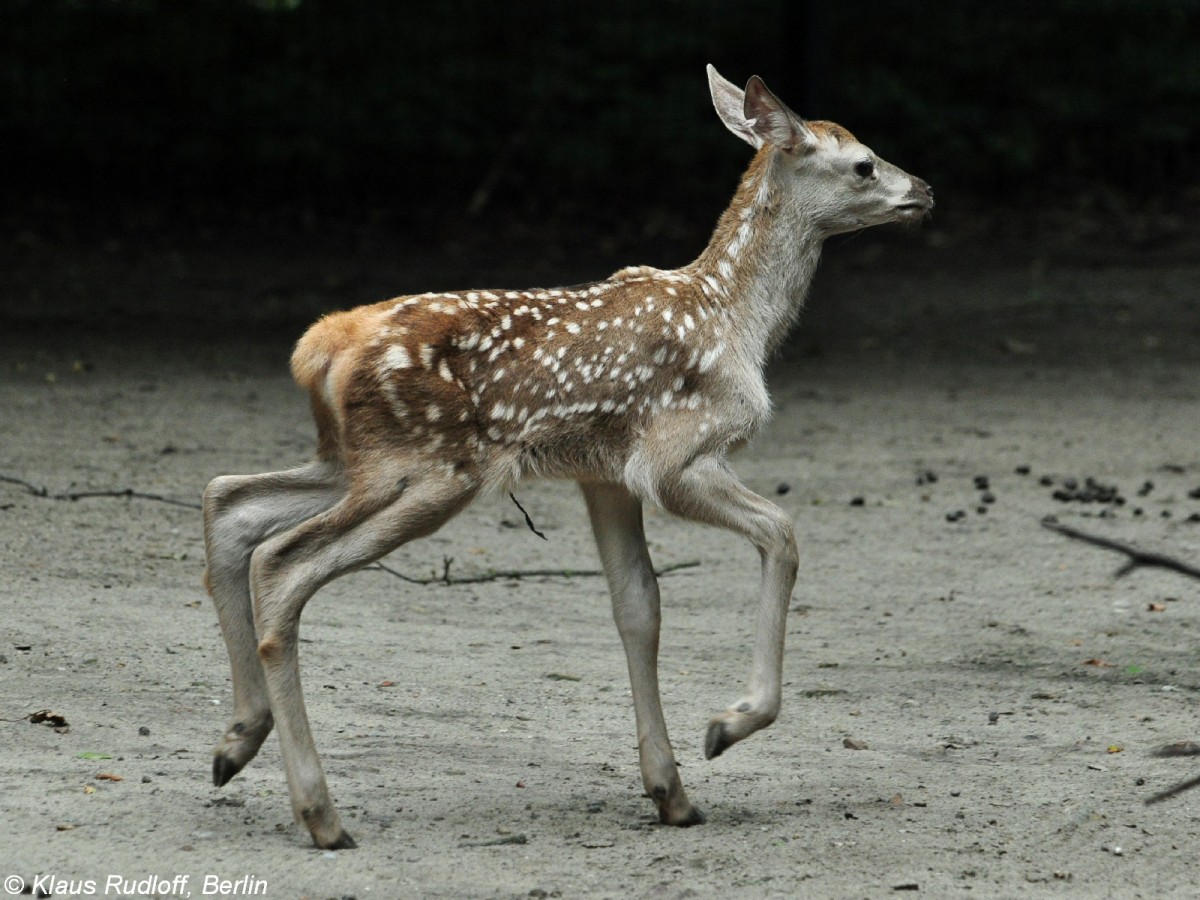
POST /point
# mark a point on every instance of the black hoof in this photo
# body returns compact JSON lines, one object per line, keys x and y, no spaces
{"x":342,"y":842}
{"x":695,"y":817}
{"x":223,"y":770}
{"x":717,"y":741}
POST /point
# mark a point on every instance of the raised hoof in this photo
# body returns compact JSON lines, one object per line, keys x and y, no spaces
{"x":718,"y":740}
{"x":223,"y":770}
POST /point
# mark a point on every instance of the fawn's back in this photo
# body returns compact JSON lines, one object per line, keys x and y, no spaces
{"x":500,"y":385}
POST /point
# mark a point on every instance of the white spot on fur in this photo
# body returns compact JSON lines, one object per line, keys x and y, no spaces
{"x":709,"y":358}
{"x":397,"y":357}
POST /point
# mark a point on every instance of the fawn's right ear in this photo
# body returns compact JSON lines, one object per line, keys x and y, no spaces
{"x":770,"y":118}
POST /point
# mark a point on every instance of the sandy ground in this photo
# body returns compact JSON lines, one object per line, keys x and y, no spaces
{"x":1005,"y":693}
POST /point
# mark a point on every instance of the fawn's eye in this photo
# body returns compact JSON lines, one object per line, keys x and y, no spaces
{"x":864,"y":168}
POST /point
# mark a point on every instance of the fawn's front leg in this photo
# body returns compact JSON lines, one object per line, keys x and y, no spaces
{"x":617,"y":525}
{"x":708,"y":491}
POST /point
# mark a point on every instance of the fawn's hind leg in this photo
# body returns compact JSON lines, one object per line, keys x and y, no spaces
{"x":240,"y":512}
{"x":369,"y":522}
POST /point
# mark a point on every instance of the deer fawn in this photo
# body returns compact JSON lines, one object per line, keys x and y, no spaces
{"x":637,"y":387}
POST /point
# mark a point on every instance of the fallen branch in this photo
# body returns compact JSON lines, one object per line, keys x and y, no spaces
{"x":1173,"y":791}
{"x":518,"y":574}
{"x":1137,"y":558}
{"x":129,"y":493}
{"x":528,"y":521}
{"x":29,"y":486}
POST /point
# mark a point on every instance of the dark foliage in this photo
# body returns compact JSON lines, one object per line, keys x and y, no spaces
{"x":340,"y":103}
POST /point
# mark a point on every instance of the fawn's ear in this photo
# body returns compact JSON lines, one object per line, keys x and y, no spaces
{"x":770,"y":119}
{"x":729,"y":100}
{"x":757,"y":116}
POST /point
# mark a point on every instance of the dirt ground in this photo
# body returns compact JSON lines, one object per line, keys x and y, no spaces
{"x":972,"y":707}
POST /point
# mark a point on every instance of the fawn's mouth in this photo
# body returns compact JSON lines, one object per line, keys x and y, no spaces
{"x":914,"y":209}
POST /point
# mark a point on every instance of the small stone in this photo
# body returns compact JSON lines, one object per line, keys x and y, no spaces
{"x":144,"y":731}
{"x":858,"y":501}
{"x":782,"y":488}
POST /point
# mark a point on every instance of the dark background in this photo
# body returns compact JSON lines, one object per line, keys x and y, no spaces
{"x":267,"y":160}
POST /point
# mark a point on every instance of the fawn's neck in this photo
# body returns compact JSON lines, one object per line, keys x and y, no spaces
{"x":761,"y":258}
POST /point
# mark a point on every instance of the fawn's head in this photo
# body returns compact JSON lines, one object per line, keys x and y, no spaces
{"x":835,"y":182}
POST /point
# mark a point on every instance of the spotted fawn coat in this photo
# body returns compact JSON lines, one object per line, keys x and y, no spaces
{"x":637,"y":387}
